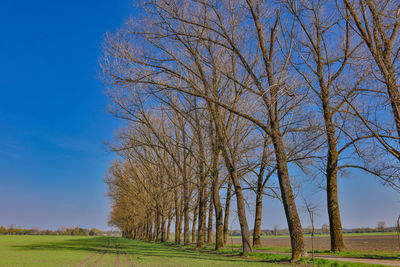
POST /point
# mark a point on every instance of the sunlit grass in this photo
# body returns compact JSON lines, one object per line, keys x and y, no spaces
{"x":74,"y":250}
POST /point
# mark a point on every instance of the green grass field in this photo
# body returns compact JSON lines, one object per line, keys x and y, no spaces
{"x":73,"y":251}
{"x":116,"y":251}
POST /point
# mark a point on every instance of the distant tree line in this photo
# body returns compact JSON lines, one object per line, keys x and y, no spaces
{"x":235,"y":99}
{"x":321,"y":231}
{"x":75,"y":231}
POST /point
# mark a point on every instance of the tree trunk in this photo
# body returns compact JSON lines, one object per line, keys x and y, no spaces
{"x":195,"y":214}
{"x":186,"y":233}
{"x":180,"y":220}
{"x":150,"y":229}
{"x":227,"y":211}
{"x":210,"y":220}
{"x":158,"y":229}
{"x":163,"y":229}
{"x":168,"y":228}
{"x":177,"y":220}
{"x":204,"y":223}
{"x":292,"y":217}
{"x":257,"y":219}
{"x":202,"y":213}
{"x":335,"y":224}
{"x":219,"y":226}
{"x":259,"y":196}
{"x":241,"y":209}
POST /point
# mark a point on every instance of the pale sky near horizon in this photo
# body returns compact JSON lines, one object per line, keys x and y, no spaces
{"x":53,"y":123}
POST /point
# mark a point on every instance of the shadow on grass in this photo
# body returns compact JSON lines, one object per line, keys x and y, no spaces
{"x":142,"y":249}
{"x":92,"y":244}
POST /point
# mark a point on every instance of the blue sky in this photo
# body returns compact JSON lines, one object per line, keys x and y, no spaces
{"x":53,"y":122}
{"x":53,"y":118}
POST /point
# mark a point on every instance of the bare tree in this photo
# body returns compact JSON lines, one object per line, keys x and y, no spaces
{"x":381,"y":225}
{"x":311,"y":210}
{"x":195,"y":31}
{"x":327,"y":59}
{"x":204,"y":84}
{"x":377,"y":23}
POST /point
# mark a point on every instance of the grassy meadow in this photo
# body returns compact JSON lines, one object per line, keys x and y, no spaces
{"x":86,"y":251}
{"x":33,"y":251}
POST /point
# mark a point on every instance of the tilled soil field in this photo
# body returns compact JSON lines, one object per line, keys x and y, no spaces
{"x":357,"y":243}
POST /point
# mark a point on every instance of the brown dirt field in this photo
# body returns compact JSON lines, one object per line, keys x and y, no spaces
{"x":387,"y":243}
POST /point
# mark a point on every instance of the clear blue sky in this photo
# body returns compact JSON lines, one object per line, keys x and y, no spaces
{"x":53,"y":123}
{"x":53,"y":118}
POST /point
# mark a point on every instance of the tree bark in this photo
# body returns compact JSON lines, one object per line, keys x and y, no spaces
{"x":186,"y":233}
{"x":240,"y":203}
{"x":180,"y":219}
{"x":168,"y":228}
{"x":202,"y":215}
{"x":158,"y":230}
{"x":210,"y":220}
{"x":292,"y":217}
{"x":204,"y":223}
{"x":335,"y":224}
{"x":260,"y":190}
{"x":177,"y":220}
{"x":215,"y":160}
{"x":219,"y":226}
{"x":195,"y":214}
{"x":227,"y":211}
{"x":257,"y":219}
{"x":163,"y":228}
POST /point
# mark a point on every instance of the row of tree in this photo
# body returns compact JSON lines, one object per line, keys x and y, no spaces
{"x":220,"y":98}
{"x":12,"y":230}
